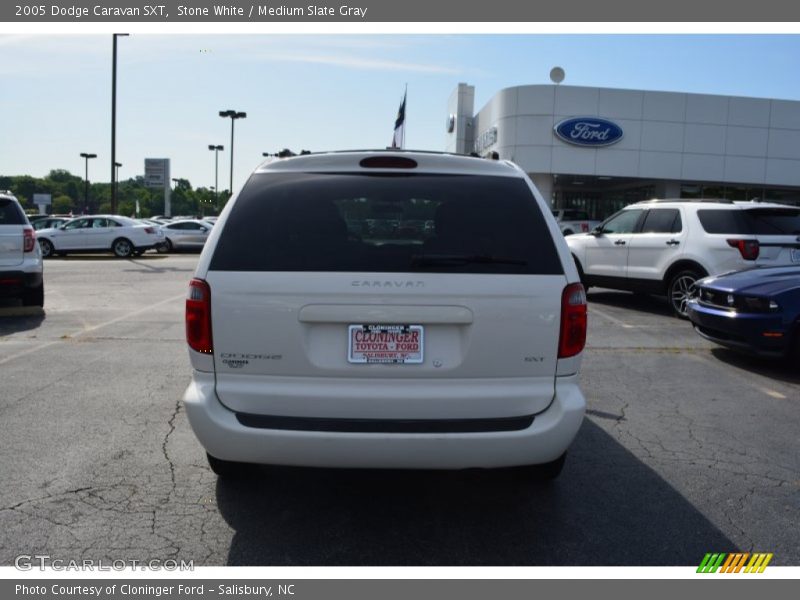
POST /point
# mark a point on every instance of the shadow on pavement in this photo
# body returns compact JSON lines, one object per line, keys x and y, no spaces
{"x":607,"y":508}
{"x":15,"y":318}
{"x":103,"y":257}
{"x":154,"y":269}
{"x":775,"y":368}
{"x":645,"y":303}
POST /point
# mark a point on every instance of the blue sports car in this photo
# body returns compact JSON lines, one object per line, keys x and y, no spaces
{"x":757,"y":311}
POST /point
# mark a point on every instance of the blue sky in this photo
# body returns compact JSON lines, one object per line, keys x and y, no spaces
{"x":322,"y":92}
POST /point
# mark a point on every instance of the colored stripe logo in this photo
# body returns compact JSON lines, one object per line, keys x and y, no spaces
{"x":735,"y":563}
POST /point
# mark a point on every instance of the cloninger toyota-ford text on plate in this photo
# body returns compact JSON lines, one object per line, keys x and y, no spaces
{"x":386,"y":309}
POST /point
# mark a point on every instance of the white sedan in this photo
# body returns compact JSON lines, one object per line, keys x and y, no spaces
{"x":99,"y":233}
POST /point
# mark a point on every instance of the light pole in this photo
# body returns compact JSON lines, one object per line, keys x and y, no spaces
{"x":115,"y":186}
{"x":114,"y":124}
{"x":216,"y":150}
{"x":233,"y":116}
{"x":86,"y":156}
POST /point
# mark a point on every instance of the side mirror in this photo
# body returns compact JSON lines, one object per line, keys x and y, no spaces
{"x":597,"y":231}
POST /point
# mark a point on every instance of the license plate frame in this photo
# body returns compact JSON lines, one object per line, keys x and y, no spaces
{"x":385,"y":343}
{"x":795,"y":255}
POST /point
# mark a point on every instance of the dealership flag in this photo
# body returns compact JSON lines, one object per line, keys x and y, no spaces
{"x":398,"y":141}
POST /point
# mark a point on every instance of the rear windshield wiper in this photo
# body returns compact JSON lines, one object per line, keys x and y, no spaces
{"x":423,"y":260}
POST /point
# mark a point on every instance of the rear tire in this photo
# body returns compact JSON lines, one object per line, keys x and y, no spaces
{"x":680,"y":290}
{"x":34,"y":296}
{"x":122,"y":248}
{"x":47,"y":248}
{"x":227,"y":469}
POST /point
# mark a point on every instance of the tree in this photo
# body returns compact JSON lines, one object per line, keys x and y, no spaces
{"x":63,"y":205}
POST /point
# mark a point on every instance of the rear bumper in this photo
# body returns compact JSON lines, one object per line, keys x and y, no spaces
{"x":14,"y":283}
{"x":742,"y":331}
{"x":223,"y":435}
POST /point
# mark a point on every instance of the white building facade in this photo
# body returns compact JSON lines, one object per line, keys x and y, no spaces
{"x":599,"y":149}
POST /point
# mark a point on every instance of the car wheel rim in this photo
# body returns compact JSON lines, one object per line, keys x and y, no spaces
{"x":45,"y":249}
{"x":682,"y":291}
{"x":123,"y":248}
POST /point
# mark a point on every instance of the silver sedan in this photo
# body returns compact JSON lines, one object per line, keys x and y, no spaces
{"x":185,"y":234}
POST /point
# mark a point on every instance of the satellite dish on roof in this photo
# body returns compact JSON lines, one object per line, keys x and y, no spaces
{"x":557,"y":75}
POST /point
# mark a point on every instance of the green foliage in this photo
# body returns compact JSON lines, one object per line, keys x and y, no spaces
{"x":63,"y":205}
{"x":68,"y":192}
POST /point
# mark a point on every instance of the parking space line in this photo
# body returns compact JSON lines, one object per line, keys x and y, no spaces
{"x":85,"y":330}
{"x":773,"y":393}
{"x":748,"y":381}
{"x":609,"y":318}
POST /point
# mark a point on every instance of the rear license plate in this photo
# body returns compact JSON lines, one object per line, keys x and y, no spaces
{"x":795,"y":254}
{"x":387,"y":344}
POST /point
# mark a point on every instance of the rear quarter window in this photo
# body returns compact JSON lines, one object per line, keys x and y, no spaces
{"x":753,"y":221}
{"x":386,"y":223}
{"x":774,"y":221}
{"x":11,"y":214}
{"x":729,"y":222}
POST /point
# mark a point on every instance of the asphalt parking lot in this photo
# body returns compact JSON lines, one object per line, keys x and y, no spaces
{"x":685,"y":449}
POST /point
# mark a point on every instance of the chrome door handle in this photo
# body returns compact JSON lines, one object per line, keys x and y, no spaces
{"x":673,"y":243}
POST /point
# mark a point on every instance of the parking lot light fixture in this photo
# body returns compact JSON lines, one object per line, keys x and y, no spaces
{"x":216,"y":148}
{"x":114,"y":122}
{"x":117,"y":165}
{"x":86,"y":156}
{"x":233,"y":115}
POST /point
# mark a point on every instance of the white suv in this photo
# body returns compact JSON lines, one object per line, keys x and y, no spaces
{"x":20,"y":258}
{"x":386,"y":310}
{"x":664,"y":246}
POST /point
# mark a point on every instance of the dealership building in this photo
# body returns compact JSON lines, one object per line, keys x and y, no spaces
{"x":600,"y":149}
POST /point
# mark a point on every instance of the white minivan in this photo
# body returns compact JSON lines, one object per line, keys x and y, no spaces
{"x":386,"y":309}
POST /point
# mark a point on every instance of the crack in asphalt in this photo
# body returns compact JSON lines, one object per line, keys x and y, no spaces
{"x":48,"y":497}
{"x":171,"y":424}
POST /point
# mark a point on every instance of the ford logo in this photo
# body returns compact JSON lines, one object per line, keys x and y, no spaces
{"x":588,"y":131}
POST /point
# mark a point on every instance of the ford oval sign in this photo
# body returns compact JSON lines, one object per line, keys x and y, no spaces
{"x":589,"y":131}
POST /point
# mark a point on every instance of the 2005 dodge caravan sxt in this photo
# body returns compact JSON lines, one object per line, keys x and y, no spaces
{"x":386,"y":309}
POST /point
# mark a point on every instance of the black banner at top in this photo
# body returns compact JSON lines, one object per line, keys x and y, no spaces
{"x":375,"y":11}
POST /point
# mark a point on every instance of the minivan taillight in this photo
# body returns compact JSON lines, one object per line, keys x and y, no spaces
{"x":747,"y":248}
{"x":28,"y":240}
{"x":572,"y":338}
{"x":198,"y":317}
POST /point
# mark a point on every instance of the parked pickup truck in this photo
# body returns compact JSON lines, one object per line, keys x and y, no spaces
{"x":574,"y":221}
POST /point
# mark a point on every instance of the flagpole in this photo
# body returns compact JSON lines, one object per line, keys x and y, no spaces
{"x":405,"y":119}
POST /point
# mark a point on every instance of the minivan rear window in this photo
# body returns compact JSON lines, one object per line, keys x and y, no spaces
{"x":386,"y":223}
{"x":10,"y":214}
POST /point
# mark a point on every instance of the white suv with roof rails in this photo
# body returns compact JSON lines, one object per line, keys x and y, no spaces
{"x":20,"y":258}
{"x":664,"y":246}
{"x":386,"y":309}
